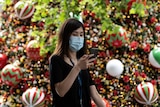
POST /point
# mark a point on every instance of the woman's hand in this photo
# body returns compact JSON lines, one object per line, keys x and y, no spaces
{"x":85,"y":61}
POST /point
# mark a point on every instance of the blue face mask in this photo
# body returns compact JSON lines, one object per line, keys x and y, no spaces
{"x":76,"y":43}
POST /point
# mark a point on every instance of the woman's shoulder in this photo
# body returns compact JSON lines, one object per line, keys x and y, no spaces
{"x":55,"y":58}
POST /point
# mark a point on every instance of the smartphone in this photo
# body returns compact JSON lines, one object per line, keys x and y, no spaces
{"x":94,"y":51}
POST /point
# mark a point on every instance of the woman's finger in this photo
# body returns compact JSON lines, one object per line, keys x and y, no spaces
{"x":85,"y":56}
{"x":91,"y":55}
{"x":91,"y":60}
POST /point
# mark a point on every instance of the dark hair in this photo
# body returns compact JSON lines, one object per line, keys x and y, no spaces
{"x":63,"y":38}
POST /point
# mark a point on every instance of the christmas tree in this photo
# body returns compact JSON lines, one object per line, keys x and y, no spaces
{"x":125,"y":34}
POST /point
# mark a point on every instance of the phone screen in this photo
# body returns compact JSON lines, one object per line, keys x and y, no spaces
{"x":94,"y":51}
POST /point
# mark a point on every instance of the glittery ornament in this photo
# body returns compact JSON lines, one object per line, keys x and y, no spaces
{"x":154,"y":57}
{"x":11,"y":74}
{"x":3,"y":60}
{"x":24,"y":10}
{"x":146,"y":93}
{"x":33,"y":50}
{"x":33,"y":97}
{"x":116,"y":38}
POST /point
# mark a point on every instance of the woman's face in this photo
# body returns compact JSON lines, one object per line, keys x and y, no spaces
{"x":78,"y":32}
{"x":76,"y":41}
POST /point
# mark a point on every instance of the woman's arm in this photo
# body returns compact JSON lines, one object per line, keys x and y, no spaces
{"x":96,"y":97}
{"x":63,"y":86}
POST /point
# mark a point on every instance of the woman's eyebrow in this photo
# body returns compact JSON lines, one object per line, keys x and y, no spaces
{"x":77,"y":32}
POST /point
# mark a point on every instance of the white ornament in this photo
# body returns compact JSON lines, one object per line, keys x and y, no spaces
{"x":115,"y":67}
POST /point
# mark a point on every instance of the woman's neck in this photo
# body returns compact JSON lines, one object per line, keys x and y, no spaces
{"x":73,"y":55}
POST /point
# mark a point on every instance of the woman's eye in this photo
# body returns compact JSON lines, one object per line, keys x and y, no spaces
{"x":74,"y":34}
{"x":81,"y":35}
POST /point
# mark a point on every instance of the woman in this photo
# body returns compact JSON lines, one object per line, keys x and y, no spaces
{"x":71,"y":83}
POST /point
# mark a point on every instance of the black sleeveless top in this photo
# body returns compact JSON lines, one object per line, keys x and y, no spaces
{"x":59,"y":69}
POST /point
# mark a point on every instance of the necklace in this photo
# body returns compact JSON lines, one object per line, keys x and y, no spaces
{"x":80,"y":85}
{"x":71,"y":61}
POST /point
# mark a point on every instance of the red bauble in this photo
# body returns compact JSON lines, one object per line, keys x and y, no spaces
{"x":3,"y":60}
{"x":157,"y":27}
{"x":33,"y":50}
{"x":134,"y":45}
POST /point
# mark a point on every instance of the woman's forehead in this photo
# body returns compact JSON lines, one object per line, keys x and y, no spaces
{"x":78,"y":30}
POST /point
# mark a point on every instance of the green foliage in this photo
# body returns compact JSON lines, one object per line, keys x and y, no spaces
{"x":46,"y":14}
{"x":40,"y":2}
{"x":114,"y":29}
{"x":100,"y":9}
{"x":138,"y":8}
{"x":47,"y":44}
{"x":48,"y":48}
{"x":53,"y":13}
{"x":5,"y":4}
